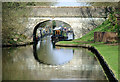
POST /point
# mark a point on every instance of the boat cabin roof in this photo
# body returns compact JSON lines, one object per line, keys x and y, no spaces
{"x":57,"y":28}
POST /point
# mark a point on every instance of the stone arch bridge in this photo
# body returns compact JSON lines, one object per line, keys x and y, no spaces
{"x":81,"y":19}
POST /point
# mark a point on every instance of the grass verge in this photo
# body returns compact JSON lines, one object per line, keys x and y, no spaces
{"x":108,"y":52}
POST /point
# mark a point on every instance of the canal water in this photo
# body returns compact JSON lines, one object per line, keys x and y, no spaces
{"x":47,"y":62}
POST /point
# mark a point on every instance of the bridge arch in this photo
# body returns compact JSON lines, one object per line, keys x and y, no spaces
{"x":80,"y":26}
{"x":57,"y":25}
{"x":35,"y":30}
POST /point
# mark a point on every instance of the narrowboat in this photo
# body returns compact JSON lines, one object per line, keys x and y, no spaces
{"x":58,"y":35}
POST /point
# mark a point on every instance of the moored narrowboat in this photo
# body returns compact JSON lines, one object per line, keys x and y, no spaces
{"x":58,"y":35}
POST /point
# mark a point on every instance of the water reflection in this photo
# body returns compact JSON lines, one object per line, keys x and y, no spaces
{"x":20,"y":63}
{"x":46,"y":52}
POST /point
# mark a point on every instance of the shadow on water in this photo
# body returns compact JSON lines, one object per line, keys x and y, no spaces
{"x":46,"y":53}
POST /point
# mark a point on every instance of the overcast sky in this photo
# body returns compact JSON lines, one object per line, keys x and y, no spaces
{"x":71,"y":4}
{"x":60,"y":0}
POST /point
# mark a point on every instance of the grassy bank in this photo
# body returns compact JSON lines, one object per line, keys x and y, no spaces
{"x":108,"y":51}
{"x":110,"y":54}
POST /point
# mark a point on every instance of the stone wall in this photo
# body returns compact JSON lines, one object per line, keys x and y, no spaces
{"x":105,"y":36}
{"x":83,"y":12}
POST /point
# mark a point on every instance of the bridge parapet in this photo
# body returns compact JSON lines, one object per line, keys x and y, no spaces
{"x":82,"y":12}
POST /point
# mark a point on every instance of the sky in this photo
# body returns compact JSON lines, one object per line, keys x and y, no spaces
{"x":60,"y":0}
{"x":71,"y":4}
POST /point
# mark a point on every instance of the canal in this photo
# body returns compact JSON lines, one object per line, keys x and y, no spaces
{"x":47,"y":62}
